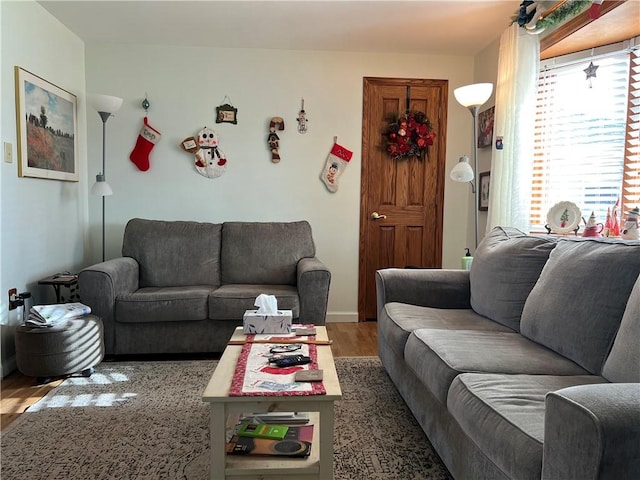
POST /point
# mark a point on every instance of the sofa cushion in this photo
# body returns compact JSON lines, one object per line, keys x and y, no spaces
{"x":623,"y":363}
{"x":174,"y":253}
{"x":438,"y":356}
{"x":504,"y":415}
{"x":506,"y":266}
{"x":229,"y":302}
{"x":166,"y":304}
{"x":577,"y":304}
{"x":264,"y":253}
{"x":400,"y":319}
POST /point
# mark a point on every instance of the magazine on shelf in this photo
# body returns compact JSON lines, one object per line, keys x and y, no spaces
{"x":296,"y":443}
{"x":51,"y":315}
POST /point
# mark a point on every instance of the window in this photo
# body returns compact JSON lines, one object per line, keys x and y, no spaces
{"x":587,"y":148}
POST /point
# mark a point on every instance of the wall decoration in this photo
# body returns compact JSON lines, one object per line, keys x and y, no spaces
{"x":147,"y":139}
{"x":336,"y":163}
{"x":47,"y":129}
{"x":276,"y":123}
{"x":226,"y":114}
{"x":302,"y":119}
{"x":409,"y":136}
{"x":485,"y":127}
{"x":210,"y":160}
{"x":483,"y":194}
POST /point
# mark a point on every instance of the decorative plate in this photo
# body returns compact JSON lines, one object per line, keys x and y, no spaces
{"x":563,"y":217}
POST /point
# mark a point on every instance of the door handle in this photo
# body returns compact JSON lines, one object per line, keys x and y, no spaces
{"x":377,"y":216}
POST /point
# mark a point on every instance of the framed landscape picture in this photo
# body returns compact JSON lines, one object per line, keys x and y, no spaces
{"x":47,"y":129}
{"x":485,"y":127}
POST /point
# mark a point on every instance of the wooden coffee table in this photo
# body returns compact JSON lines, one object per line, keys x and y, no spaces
{"x":319,"y":465}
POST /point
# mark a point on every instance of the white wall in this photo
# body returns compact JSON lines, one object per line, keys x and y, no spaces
{"x":43,"y":224}
{"x":49,"y":226}
{"x":184,"y":85}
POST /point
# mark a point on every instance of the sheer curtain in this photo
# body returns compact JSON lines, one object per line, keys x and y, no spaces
{"x":511,"y":167}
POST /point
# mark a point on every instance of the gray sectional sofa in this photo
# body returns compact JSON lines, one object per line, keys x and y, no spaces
{"x":528,"y":365}
{"x":183,"y":287}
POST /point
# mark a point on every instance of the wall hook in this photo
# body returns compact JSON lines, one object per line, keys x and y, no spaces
{"x":145,"y":103}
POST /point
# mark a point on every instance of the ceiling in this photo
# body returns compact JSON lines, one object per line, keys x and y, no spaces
{"x":453,"y":27}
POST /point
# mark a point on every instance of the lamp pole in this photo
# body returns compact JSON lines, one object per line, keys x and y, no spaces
{"x":104,"y":116}
{"x":474,"y":112}
{"x":473,"y":97}
{"x":106,"y":106}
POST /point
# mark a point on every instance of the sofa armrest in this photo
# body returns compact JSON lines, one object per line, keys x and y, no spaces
{"x":592,"y":432}
{"x":435,"y":288}
{"x":313,"y":279}
{"x":101,"y":284}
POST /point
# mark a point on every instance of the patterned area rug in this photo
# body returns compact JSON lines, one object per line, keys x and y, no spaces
{"x":146,"y":421}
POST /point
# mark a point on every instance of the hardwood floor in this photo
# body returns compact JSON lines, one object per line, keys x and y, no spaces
{"x":18,"y":392}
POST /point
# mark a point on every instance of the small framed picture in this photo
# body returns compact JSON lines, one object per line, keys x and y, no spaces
{"x":483,"y":193}
{"x":227,"y":114}
{"x":47,"y":129}
{"x":485,"y":127}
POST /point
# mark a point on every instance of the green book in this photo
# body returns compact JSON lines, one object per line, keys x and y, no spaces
{"x":262,"y":430}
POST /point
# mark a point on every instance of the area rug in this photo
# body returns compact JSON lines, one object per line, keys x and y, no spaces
{"x":146,"y":421}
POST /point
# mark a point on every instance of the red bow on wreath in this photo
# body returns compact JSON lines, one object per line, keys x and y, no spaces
{"x":410,"y":136}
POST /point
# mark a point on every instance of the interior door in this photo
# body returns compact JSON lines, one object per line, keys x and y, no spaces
{"x":401,"y":201}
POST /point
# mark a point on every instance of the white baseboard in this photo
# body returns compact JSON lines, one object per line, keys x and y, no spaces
{"x":342,"y":318}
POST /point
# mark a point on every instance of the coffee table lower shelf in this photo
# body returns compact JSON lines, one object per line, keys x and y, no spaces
{"x":240,"y":467}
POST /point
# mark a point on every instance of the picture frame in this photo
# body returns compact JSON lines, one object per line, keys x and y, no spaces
{"x":47,"y":124}
{"x":485,"y":127}
{"x":484,"y":184}
{"x":227,"y":114}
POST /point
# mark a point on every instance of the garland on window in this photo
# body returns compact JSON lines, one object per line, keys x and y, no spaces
{"x":531,"y":14}
{"x":562,"y":13}
{"x":410,"y":135}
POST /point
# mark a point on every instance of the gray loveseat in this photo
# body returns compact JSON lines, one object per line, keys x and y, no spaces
{"x":183,"y":287}
{"x":526,"y":367}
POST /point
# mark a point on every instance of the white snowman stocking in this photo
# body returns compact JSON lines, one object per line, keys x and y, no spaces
{"x":336,"y":163}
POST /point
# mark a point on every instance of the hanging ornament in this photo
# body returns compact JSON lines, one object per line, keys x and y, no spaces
{"x":227,"y":113}
{"x":302,"y":119}
{"x":276,"y":123}
{"x":591,"y":72}
{"x":594,"y":10}
{"x":210,"y":160}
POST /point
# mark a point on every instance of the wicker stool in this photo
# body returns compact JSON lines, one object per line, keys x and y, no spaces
{"x":71,"y":347}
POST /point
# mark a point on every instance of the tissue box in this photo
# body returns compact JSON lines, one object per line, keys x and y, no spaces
{"x":258,"y":323}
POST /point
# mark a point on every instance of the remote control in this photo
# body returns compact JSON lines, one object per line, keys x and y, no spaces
{"x":292,"y":360}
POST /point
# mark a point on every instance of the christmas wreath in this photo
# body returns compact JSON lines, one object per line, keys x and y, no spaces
{"x":409,"y":136}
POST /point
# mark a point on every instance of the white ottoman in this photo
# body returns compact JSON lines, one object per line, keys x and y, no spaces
{"x":72,"y":347}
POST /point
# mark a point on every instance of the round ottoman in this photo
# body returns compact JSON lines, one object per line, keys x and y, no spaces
{"x":71,"y":347}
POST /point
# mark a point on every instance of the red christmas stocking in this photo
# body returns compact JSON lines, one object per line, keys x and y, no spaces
{"x":147,"y":139}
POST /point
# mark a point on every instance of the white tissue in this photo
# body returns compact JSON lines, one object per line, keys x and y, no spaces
{"x":267,"y":304}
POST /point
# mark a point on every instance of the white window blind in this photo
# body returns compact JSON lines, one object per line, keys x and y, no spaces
{"x":586,"y":137}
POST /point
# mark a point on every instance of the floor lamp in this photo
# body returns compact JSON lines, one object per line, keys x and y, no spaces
{"x":472,"y":97}
{"x":106,"y":106}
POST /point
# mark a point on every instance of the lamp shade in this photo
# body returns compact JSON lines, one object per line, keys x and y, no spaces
{"x":473,"y":95}
{"x":462,"y":172}
{"x":104,"y":103}
{"x":101,"y":188}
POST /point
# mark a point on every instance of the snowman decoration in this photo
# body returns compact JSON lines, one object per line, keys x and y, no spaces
{"x":210,"y":161}
{"x":631,"y":231}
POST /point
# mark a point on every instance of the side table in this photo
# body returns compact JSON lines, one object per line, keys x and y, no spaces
{"x":71,"y":347}
{"x":59,"y":280}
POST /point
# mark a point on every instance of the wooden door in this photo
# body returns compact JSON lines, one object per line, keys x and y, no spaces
{"x":408,"y":194}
